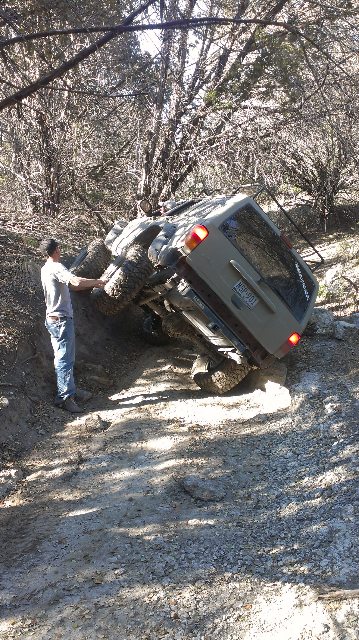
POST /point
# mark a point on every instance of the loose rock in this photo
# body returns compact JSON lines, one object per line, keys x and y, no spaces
{"x":8,"y":480}
{"x":321,"y":321}
{"x":201,"y":489}
{"x":345,"y":330}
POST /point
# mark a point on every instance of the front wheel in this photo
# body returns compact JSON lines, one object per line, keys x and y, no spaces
{"x":216,"y":377}
{"x":126,"y":282}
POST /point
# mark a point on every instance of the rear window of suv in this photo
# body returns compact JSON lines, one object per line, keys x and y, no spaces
{"x":271,"y":257}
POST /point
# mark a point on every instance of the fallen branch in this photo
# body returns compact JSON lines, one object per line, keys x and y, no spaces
{"x":35,"y":400}
{"x":66,"y":66}
{"x":356,"y":287}
{"x":127,"y":27}
{"x":341,"y":594}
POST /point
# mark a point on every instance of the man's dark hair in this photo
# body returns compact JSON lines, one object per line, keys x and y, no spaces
{"x":48,"y":246}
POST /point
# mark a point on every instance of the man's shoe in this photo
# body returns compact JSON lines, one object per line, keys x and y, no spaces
{"x":70,"y":405}
{"x":83,"y":395}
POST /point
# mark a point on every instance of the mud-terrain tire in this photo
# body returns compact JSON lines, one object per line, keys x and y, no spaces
{"x":152,"y":331}
{"x":92,"y":261}
{"x":104,"y":303}
{"x":147,"y":236}
{"x":218,"y":378}
{"x":125,"y":283}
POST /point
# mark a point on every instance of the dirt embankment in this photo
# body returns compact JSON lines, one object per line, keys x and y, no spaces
{"x":27,"y":379}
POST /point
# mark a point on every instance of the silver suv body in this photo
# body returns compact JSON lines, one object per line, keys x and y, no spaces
{"x":219,"y":272}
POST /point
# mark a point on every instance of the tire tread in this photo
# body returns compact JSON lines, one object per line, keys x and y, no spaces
{"x":222,"y":377}
{"x":95,"y":261}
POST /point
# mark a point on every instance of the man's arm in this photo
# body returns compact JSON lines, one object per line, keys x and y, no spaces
{"x":77,"y":284}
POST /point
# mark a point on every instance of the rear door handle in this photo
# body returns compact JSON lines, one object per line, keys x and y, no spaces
{"x":254,"y":286}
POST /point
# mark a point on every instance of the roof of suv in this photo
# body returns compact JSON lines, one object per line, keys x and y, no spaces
{"x":193,"y":210}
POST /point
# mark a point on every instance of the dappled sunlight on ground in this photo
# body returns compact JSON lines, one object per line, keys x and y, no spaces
{"x":171,"y":513}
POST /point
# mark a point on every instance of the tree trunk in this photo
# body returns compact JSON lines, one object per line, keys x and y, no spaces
{"x":51,"y":168}
{"x":185,"y":119}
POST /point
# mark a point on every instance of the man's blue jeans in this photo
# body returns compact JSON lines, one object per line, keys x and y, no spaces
{"x":63,"y":343}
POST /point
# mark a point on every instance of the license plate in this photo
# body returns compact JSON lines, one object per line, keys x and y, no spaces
{"x":245,"y":294}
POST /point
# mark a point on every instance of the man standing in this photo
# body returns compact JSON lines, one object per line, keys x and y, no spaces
{"x":56,"y":282}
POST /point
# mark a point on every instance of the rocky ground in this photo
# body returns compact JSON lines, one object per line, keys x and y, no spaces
{"x":163,"y":512}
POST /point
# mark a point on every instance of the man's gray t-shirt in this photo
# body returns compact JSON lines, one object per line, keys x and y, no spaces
{"x":55,"y":278}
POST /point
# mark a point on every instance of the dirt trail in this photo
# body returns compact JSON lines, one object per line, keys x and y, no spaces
{"x":162,"y":512}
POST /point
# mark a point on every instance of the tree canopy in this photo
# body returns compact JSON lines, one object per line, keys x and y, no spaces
{"x":170,"y":99}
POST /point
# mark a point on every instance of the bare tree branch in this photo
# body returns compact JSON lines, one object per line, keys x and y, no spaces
{"x":125,"y":27}
{"x":185,"y":23}
{"x":66,"y":66}
{"x":97,"y":94}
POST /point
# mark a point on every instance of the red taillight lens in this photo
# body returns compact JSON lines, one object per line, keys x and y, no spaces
{"x":195,"y":237}
{"x":288,"y":345}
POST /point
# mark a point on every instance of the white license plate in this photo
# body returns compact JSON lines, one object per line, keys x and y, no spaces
{"x":245,"y":294}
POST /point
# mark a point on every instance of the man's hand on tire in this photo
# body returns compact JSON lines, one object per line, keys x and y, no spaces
{"x":101,"y":283}
{"x":78,"y":283}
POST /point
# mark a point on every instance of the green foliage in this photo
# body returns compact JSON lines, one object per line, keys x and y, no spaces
{"x":28,"y":240}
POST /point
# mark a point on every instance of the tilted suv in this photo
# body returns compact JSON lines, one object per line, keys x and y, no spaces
{"x":217,"y":271}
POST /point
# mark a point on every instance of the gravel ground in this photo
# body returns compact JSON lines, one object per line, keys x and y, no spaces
{"x":169,"y":513}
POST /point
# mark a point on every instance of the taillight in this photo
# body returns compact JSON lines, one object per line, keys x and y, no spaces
{"x":294,"y":339}
{"x":195,"y":237}
{"x":289,"y":344}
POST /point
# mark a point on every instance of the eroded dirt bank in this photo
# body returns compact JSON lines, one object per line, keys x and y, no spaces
{"x":166,"y":513}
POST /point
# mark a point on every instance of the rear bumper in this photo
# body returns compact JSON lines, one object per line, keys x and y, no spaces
{"x":218,"y":313}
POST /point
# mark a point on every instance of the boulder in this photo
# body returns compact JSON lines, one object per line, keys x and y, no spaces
{"x":258,"y":378}
{"x":345,"y":330}
{"x":201,"y":488}
{"x":321,"y":321}
{"x":352,"y":319}
{"x":332,"y":278}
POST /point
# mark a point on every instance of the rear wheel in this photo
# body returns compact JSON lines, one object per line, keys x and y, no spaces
{"x":92,"y":261}
{"x":218,"y":377}
{"x":125,"y":283}
{"x":152,"y":331}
